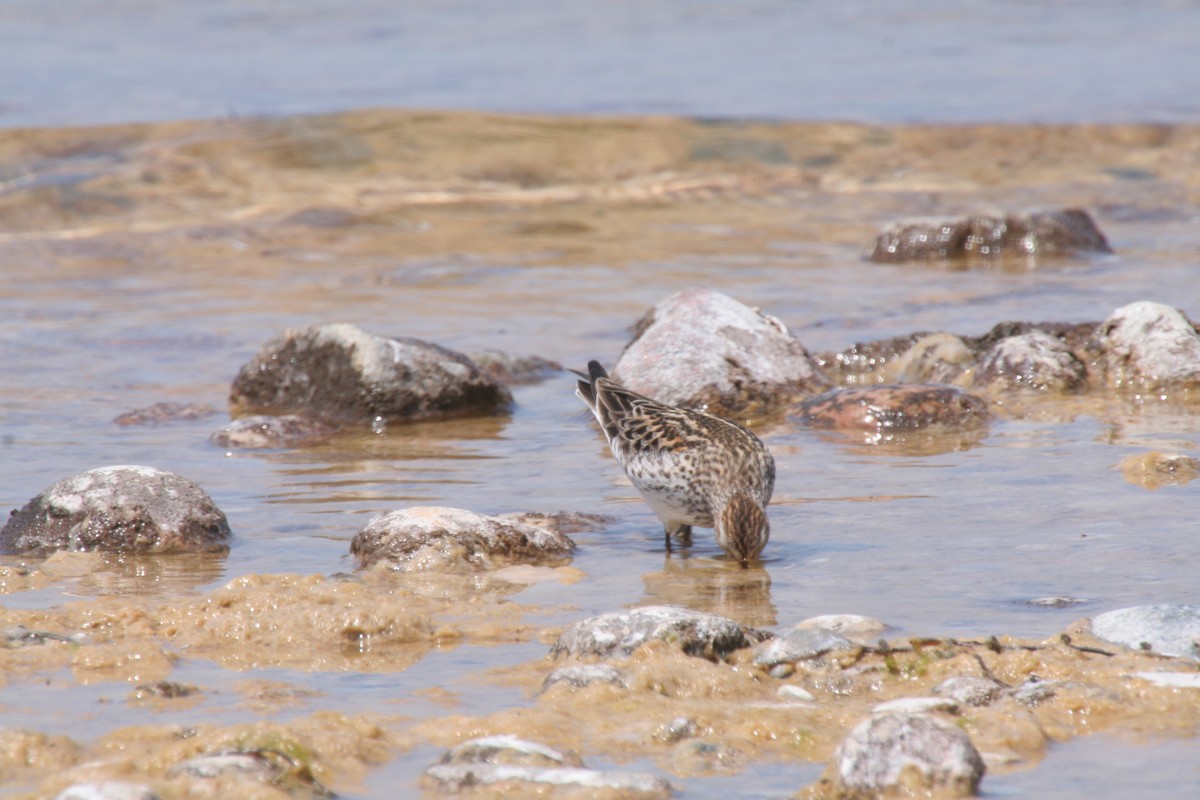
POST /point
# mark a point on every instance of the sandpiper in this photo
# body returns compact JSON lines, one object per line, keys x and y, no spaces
{"x":691,"y":467}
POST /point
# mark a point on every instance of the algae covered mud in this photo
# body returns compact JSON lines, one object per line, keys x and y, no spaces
{"x":145,"y":265}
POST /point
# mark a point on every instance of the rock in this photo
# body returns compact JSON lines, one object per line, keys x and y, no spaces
{"x":916,"y":705}
{"x":621,"y":632}
{"x":431,"y":537}
{"x":799,"y":644}
{"x":856,"y":628}
{"x":510,"y":370}
{"x":1172,"y":680}
{"x":126,"y":509}
{"x":700,"y":348}
{"x":163,"y":690}
{"x":583,"y":675}
{"x":107,"y":790}
{"x":1149,"y":347}
{"x":1056,"y":601}
{"x":159,"y":413}
{"x":1155,"y":469}
{"x":339,"y":373}
{"x":790,"y":691}
{"x":507,"y":759}
{"x":676,"y":730}
{"x":252,"y":766}
{"x":970,"y":690}
{"x":887,"y":413}
{"x":1029,"y":234}
{"x":936,"y":358}
{"x":261,"y":431}
{"x":906,"y":755}
{"x":1036,"y":361}
{"x":867,"y":362}
{"x":1169,"y":630}
{"x":1035,"y":691}
{"x":561,"y":521}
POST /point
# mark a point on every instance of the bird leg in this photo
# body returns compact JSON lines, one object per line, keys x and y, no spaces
{"x":682,"y":532}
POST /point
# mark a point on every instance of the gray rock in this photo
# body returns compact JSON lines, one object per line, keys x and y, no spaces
{"x":895,"y":754}
{"x":621,"y":632}
{"x":431,"y":537}
{"x":250,"y":766}
{"x":1035,"y":361}
{"x":970,"y":690}
{"x":262,"y":431}
{"x":1169,"y":630}
{"x":1149,"y":347}
{"x":799,"y":644}
{"x":583,"y":675}
{"x":342,"y":374}
{"x":700,"y":348}
{"x":854,"y":627}
{"x":991,"y":236}
{"x":127,"y":509}
{"x":107,"y":790}
{"x":508,"y":749}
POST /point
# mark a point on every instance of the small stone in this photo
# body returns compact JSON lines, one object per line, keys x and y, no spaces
{"x":916,"y":705}
{"x":970,"y":690}
{"x":790,"y":691}
{"x":160,"y":413}
{"x":124,"y":509}
{"x":799,"y":644}
{"x":1034,"y":361}
{"x":166,"y":690}
{"x":906,"y":755}
{"x":985,"y":236}
{"x":262,"y":431}
{"x":342,"y":374}
{"x":1150,"y":347}
{"x":583,"y":675}
{"x":675,"y":730}
{"x":855,"y":627}
{"x":430,"y":537}
{"x":1172,"y":680}
{"x":1155,"y":470}
{"x":1169,"y":630}
{"x":620,"y":633}
{"x":1035,"y":691}
{"x":781,"y":671}
{"x":701,"y":349}
{"x":107,"y":790}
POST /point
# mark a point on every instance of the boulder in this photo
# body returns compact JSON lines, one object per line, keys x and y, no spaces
{"x":342,"y":374}
{"x":123,"y":509}
{"x":1169,"y":630}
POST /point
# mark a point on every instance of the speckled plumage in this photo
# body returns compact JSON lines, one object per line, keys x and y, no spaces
{"x":692,"y":468}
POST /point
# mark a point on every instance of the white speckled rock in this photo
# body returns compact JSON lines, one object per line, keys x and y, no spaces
{"x":970,"y":690}
{"x":855,"y":627}
{"x":342,"y":374}
{"x":1150,"y":346}
{"x":1035,"y":361}
{"x":126,"y":509}
{"x":1168,"y":630}
{"x":432,"y":537}
{"x":906,"y":755}
{"x":621,"y":632}
{"x":700,"y":348}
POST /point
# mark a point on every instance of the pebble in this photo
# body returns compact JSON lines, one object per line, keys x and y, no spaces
{"x":124,"y":509}
{"x":619,"y":633}
{"x":792,"y":692}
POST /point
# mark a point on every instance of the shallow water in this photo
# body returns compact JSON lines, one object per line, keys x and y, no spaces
{"x":122,"y":291}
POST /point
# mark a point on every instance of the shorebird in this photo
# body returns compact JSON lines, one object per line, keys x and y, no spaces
{"x":691,"y":467}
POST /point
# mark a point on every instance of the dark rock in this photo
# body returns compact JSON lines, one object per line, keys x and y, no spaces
{"x":262,"y":431}
{"x":699,"y":348}
{"x":126,"y":509}
{"x":160,"y":413}
{"x":1169,"y":630}
{"x":340,"y":373}
{"x":1032,"y":234}
{"x":582,"y":675}
{"x":430,"y":537}
{"x":970,"y":690}
{"x":884,"y":411}
{"x":906,"y":755}
{"x":510,"y":370}
{"x":561,"y":521}
{"x":1036,"y":361}
{"x":799,"y":644}
{"x":621,"y":632}
{"x":1150,"y":347}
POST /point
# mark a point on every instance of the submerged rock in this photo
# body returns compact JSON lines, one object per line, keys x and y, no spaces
{"x":905,"y":755}
{"x":621,"y":632}
{"x":936,"y":358}
{"x":1150,"y":346}
{"x":431,"y":537}
{"x":160,"y":413}
{"x":985,"y":236}
{"x":883,"y":412}
{"x":509,"y":760}
{"x":1169,"y":630}
{"x":126,"y":509}
{"x":581,"y":675}
{"x":340,"y":373}
{"x":799,"y":644}
{"x":261,"y":431}
{"x":1155,"y":469}
{"x":700,"y":348}
{"x":1036,"y":361}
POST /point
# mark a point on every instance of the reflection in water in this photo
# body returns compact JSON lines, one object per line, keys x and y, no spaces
{"x":715,"y":587}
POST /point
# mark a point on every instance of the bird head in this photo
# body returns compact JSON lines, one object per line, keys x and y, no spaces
{"x":742,"y":527}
